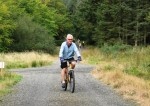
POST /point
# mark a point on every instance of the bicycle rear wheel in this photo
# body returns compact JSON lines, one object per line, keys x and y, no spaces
{"x":72,"y":82}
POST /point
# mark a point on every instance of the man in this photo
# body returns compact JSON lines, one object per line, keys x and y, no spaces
{"x":67,"y":51}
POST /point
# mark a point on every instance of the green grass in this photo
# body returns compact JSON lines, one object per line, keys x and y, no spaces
{"x":125,"y":69}
{"x":34,"y":63}
{"x":7,"y":81}
{"x":16,"y":65}
{"x":136,"y":61}
{"x":40,"y":63}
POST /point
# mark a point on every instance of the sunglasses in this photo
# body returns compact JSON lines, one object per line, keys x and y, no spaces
{"x":69,"y":39}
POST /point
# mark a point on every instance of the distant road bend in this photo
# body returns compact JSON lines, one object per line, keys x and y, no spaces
{"x":42,"y":87}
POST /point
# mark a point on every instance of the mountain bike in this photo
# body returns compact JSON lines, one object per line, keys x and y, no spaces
{"x":70,"y":77}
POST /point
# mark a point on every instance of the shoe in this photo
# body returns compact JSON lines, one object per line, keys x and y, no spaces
{"x":63,"y":85}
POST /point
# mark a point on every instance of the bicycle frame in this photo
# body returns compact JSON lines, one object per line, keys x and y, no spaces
{"x":70,"y":77}
{"x":69,"y":69}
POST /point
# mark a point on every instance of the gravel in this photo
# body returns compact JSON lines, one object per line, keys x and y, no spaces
{"x":42,"y":87}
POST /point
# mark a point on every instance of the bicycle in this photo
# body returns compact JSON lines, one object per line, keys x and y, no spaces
{"x":70,"y":77}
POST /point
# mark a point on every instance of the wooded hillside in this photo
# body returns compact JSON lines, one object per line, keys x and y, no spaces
{"x":41,"y":24}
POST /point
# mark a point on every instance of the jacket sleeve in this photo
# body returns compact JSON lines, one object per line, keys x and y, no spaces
{"x":61,"y":50}
{"x":76,"y":50}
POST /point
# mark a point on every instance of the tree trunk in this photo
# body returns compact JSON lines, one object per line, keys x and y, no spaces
{"x":137,"y":32}
{"x":145,"y":38}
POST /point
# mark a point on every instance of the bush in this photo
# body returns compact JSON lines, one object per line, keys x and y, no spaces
{"x":30,"y":36}
{"x":59,"y":42}
{"x":114,"y":49}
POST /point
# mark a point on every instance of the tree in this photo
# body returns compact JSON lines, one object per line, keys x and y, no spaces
{"x":85,"y":20}
{"x":62,"y":18}
{"x":6,"y":27}
{"x":31,"y":36}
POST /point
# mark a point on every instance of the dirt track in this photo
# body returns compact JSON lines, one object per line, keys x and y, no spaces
{"x":42,"y":87}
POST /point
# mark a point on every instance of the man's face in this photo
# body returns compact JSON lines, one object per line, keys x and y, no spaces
{"x":69,"y":40}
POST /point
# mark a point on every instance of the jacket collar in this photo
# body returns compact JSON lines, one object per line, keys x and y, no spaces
{"x":68,"y":45}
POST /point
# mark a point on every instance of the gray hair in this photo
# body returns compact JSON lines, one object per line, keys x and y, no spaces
{"x":69,"y":35}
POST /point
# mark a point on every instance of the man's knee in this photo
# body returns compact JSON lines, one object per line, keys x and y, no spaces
{"x":64,"y":69}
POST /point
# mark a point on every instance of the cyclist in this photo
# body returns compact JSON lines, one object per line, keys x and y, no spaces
{"x":67,"y":51}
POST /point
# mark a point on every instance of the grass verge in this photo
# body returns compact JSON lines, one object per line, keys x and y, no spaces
{"x":7,"y":80}
{"x":26,"y":59}
{"x":127,"y":71}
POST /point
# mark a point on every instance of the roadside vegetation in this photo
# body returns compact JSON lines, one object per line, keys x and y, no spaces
{"x":7,"y":80}
{"x":25,"y":27}
{"x":125,"y":68}
{"x":20,"y":60}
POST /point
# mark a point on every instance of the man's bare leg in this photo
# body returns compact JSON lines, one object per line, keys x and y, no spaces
{"x":73,"y":64}
{"x":63,"y":74}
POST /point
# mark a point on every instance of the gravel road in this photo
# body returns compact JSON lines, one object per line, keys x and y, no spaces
{"x":42,"y":87}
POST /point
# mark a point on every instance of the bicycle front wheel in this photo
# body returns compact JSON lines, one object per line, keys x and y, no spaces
{"x":72,"y":82}
{"x":66,"y":84}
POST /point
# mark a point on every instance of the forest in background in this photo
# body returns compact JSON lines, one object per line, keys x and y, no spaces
{"x":27,"y":25}
{"x":103,"y":22}
{"x":114,"y":26}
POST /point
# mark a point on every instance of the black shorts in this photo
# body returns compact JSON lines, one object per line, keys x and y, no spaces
{"x":64,"y":64}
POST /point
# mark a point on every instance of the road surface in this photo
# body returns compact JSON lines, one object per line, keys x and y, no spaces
{"x":42,"y":87}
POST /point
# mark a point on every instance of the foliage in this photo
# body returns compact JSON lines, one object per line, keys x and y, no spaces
{"x":96,"y":22}
{"x":22,"y":21}
{"x":130,"y":60}
{"x":136,"y":72}
{"x":114,"y":49}
{"x":62,"y":18}
{"x":6,"y":26}
{"x":31,"y":36}
{"x":100,"y":22}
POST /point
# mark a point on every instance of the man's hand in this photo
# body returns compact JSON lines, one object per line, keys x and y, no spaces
{"x":79,"y":58}
{"x":61,"y":59}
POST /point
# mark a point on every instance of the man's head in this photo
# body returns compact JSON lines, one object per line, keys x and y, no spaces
{"x":69,"y":39}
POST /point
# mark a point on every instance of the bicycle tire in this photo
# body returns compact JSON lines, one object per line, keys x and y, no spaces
{"x":66,"y":84}
{"x":72,"y":82}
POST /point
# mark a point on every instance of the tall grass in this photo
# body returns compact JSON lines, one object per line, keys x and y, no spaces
{"x":26,"y":59}
{"x":125,"y":68}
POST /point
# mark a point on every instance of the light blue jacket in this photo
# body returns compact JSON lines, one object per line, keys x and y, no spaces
{"x":68,"y":52}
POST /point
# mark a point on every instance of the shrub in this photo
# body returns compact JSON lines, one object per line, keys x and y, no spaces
{"x":30,"y":36}
{"x":107,"y":50}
